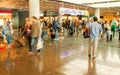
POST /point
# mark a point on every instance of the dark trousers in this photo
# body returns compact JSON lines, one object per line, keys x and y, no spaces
{"x":29,"y":41}
{"x":109,"y":37}
{"x":71,"y":31}
{"x":119,"y":35}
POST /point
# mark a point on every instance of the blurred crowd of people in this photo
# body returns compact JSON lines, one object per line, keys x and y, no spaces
{"x":35,"y":29}
{"x":75,"y":26}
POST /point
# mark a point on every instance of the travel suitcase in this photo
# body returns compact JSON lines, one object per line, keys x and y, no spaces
{"x":71,"y":32}
{"x":86,"y":34}
{"x":52,"y":36}
{"x":21,"y":42}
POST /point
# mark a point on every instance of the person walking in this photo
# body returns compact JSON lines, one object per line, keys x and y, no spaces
{"x":95,"y":31}
{"x":107,"y":29}
{"x":28,"y":31}
{"x":7,"y":31}
{"x":41,"y":35}
{"x":35,"y":32}
{"x":72,"y":27}
{"x":77,"y":27}
{"x":114,"y":24}
{"x":56,"y":27}
{"x":109,"y":33}
{"x":118,"y":28}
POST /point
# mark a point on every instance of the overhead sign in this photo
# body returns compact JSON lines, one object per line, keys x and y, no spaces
{"x":5,"y":11}
{"x":73,"y":11}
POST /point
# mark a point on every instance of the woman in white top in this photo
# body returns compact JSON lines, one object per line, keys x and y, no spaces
{"x":109,"y":33}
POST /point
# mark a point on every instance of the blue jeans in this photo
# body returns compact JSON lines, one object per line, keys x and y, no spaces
{"x":33,"y":41}
{"x":56,"y":34}
{"x":8,"y":38}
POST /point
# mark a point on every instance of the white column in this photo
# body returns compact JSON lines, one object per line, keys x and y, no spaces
{"x":34,"y":8}
{"x":60,"y":14}
{"x":97,"y":13}
{"x":60,"y":18}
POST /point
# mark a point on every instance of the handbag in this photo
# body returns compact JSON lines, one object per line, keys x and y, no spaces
{"x":39,"y":43}
{"x":86,"y":34}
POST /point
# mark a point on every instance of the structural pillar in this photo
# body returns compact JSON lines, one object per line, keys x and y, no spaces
{"x":97,"y":13}
{"x":60,"y":18}
{"x":60,"y":14}
{"x":34,"y":8}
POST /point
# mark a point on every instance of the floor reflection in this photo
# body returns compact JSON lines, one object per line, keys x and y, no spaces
{"x":8,"y":63}
{"x":91,"y":67}
{"x":63,"y":57}
{"x":38,"y":63}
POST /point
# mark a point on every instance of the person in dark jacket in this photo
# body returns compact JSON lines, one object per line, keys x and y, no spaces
{"x":56,"y":27}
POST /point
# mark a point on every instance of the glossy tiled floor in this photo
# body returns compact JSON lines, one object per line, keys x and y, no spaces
{"x":67,"y":56}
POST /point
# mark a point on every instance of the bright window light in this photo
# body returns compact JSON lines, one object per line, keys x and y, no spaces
{"x":104,"y":5}
{"x":1,"y":22}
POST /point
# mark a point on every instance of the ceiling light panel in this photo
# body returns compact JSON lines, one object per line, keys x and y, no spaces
{"x":105,"y":5}
{"x":86,"y":1}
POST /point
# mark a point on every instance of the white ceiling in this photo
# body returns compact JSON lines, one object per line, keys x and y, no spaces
{"x":105,"y":5}
{"x":96,"y":3}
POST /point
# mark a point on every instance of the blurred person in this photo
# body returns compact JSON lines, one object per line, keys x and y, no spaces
{"x":35,"y":32}
{"x":101,"y":22}
{"x":118,"y":27}
{"x":72,"y":27}
{"x":109,"y":33}
{"x":56,"y":27}
{"x":95,"y":31}
{"x":42,"y":27}
{"x":64,"y":26}
{"x":106,"y":25}
{"x":41,"y":35}
{"x":113,"y":24}
{"x":80,"y":24}
{"x":76,"y":26}
{"x":67,"y":22}
{"x":105,"y":29}
{"x":88,"y":24}
{"x":28,"y":31}
{"x":7,"y":31}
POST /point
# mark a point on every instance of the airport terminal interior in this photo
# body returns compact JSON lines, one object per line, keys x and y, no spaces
{"x":64,"y":40}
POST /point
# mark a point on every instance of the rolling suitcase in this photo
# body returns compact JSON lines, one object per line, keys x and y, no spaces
{"x":86,"y":34}
{"x":52,"y":36}
{"x":21,"y":42}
